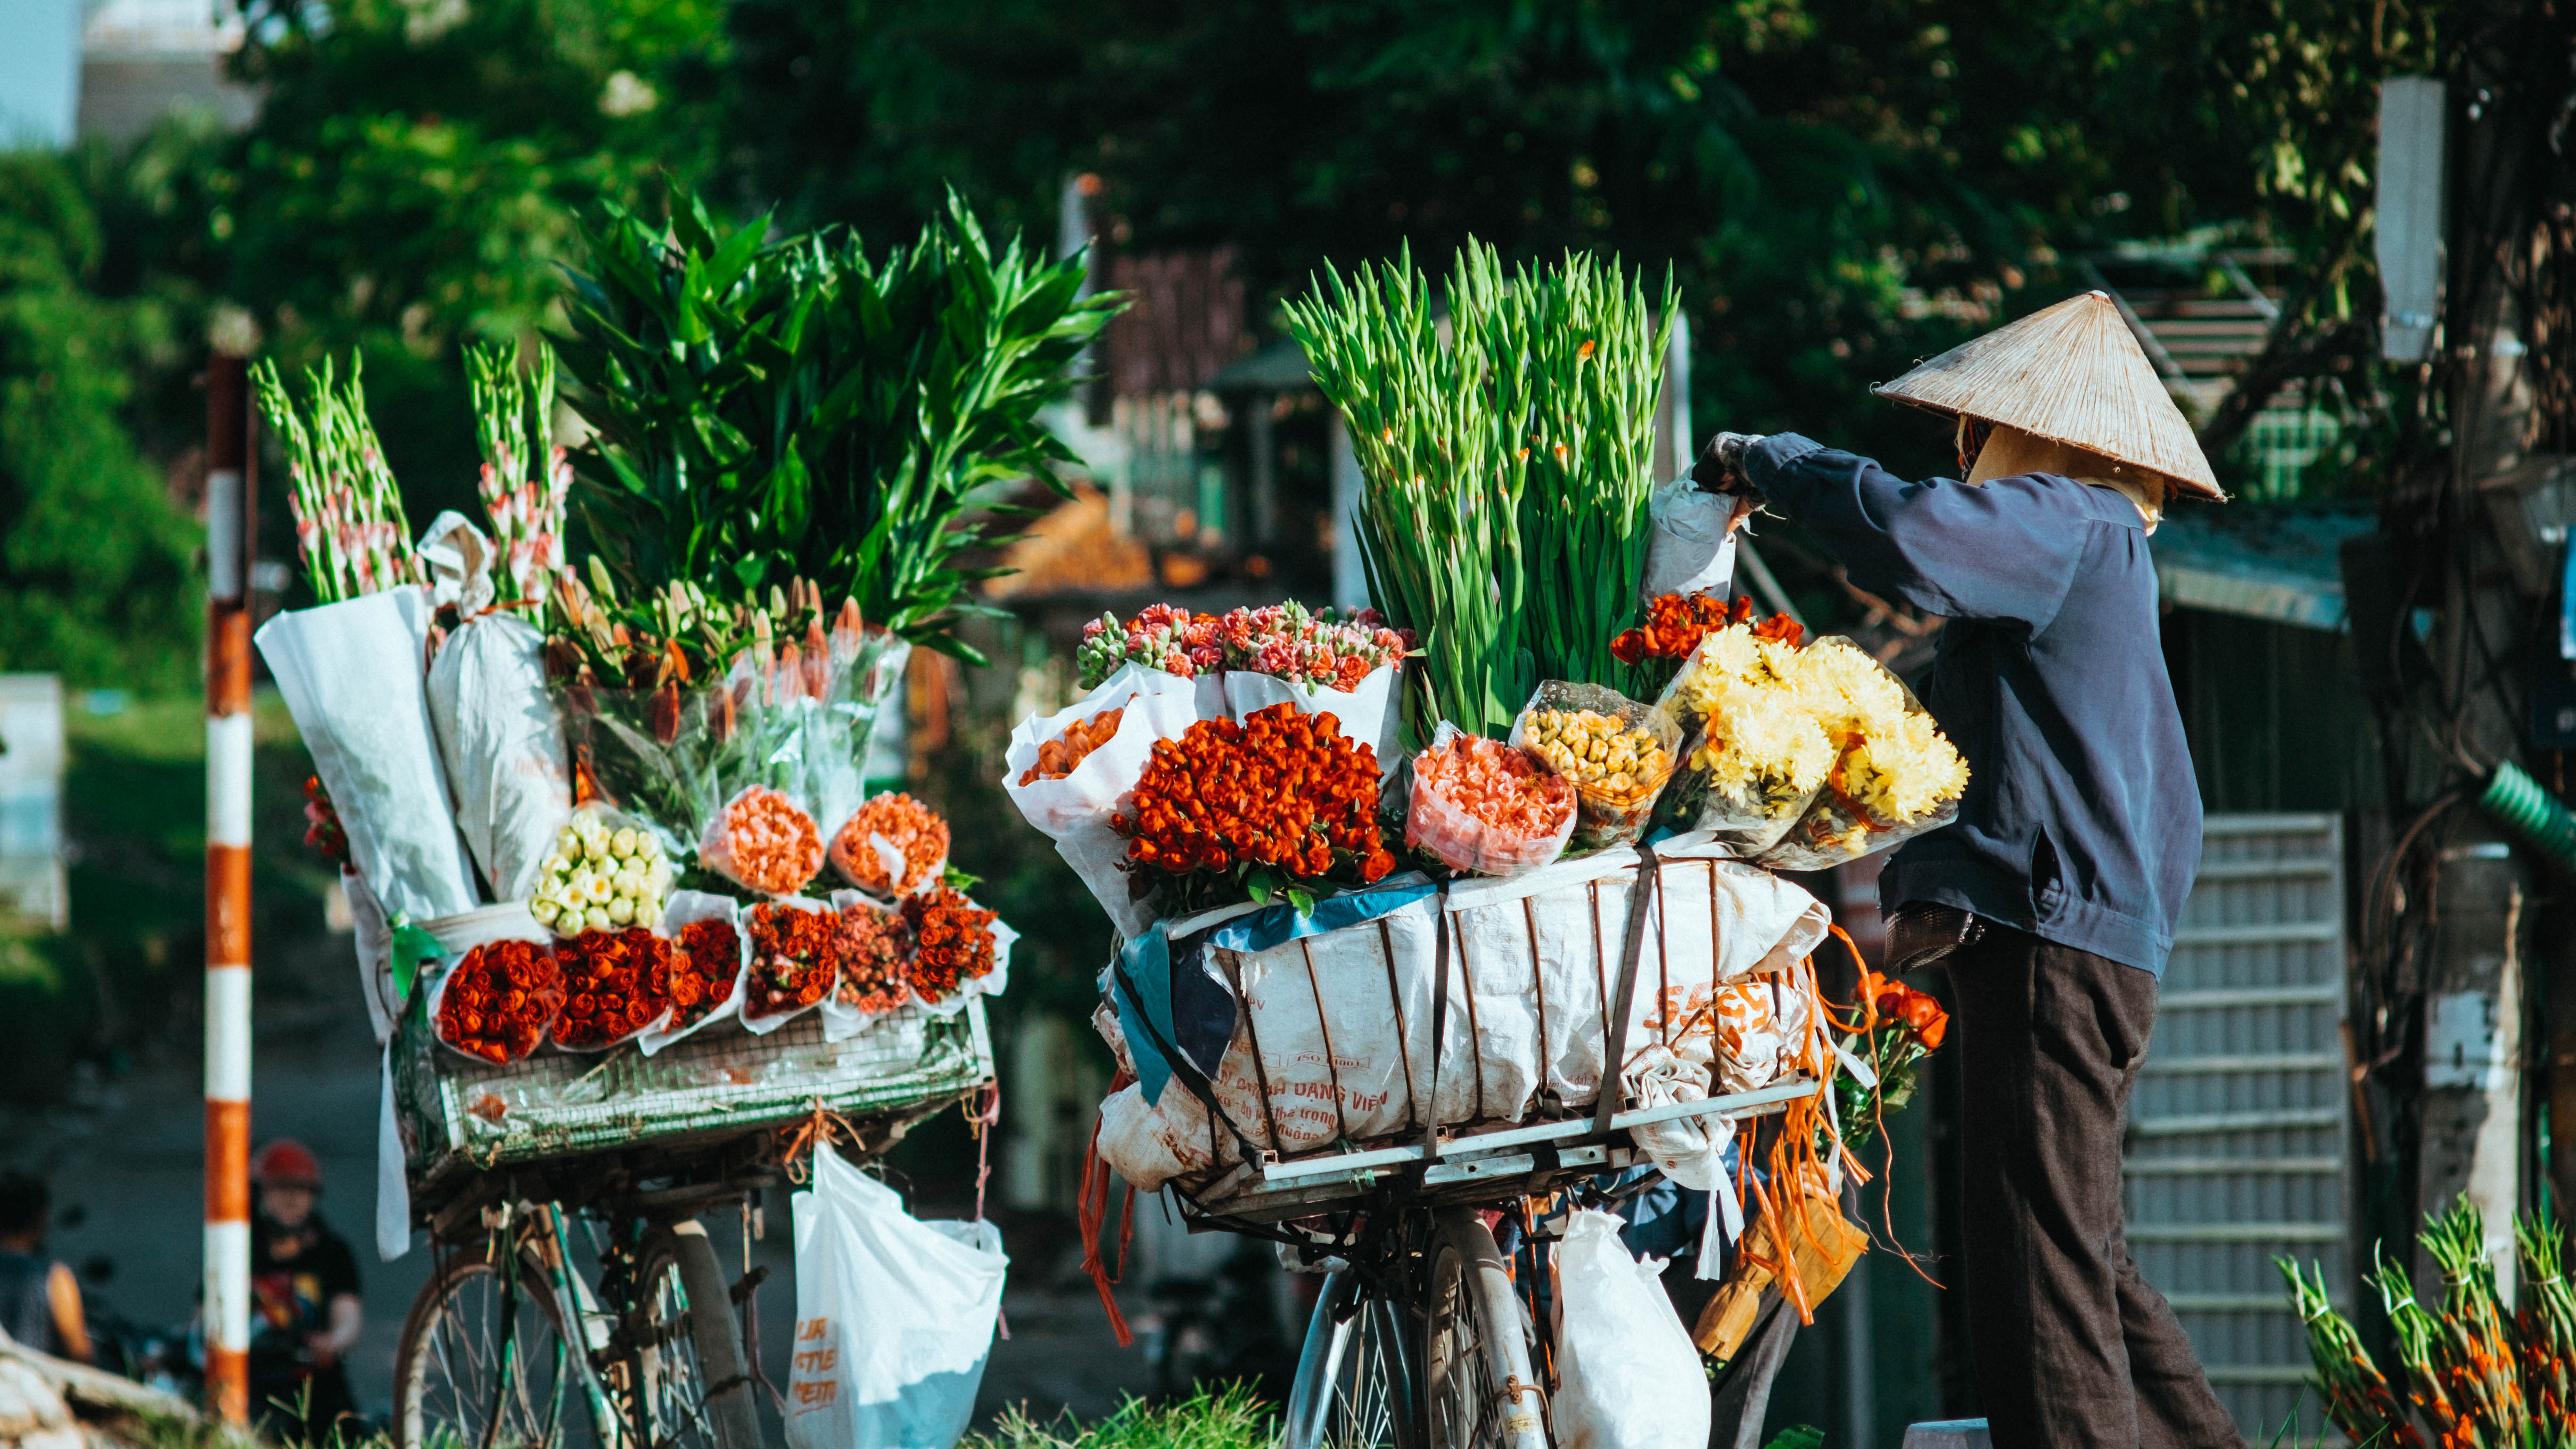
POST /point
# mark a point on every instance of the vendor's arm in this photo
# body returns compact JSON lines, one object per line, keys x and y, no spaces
{"x":2000,"y":550}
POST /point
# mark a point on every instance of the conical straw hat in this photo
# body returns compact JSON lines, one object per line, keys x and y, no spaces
{"x":2071,"y":373}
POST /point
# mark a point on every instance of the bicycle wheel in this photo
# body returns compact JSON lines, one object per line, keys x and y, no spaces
{"x":1476,"y":1380}
{"x":1354,"y":1387}
{"x":692,"y":1381}
{"x":483,"y":1362}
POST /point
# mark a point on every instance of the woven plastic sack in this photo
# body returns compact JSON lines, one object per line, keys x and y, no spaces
{"x":1612,"y":807}
{"x":1439,"y":824}
{"x":687,"y":908}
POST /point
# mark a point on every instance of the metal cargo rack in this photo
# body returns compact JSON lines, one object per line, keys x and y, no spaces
{"x":1480,"y":1166}
{"x":699,"y":1110}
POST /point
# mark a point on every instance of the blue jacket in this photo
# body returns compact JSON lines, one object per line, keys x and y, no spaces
{"x":2081,"y":823}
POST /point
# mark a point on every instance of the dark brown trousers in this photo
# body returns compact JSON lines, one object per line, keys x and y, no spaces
{"x":2072,"y":1348}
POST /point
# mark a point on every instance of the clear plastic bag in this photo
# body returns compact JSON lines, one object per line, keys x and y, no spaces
{"x":891,"y":846}
{"x":1617,"y":754}
{"x":1628,"y":1376}
{"x":1437,"y":821}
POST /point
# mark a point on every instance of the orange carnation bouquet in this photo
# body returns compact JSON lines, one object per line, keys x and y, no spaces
{"x":1280,"y":803}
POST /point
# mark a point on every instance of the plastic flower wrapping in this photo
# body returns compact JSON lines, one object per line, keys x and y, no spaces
{"x":892,"y":846}
{"x":1486,"y":806}
{"x":1894,"y":775}
{"x":952,"y":942}
{"x":1753,"y":755}
{"x":1279,"y":802}
{"x":763,"y":840}
{"x":602,"y":876}
{"x":1616,"y":753}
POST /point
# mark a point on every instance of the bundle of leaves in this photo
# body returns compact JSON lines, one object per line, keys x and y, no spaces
{"x":803,"y":408}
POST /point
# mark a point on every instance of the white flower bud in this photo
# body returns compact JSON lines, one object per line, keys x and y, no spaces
{"x":544,"y":910}
{"x":597,"y":889}
{"x":621,"y":911}
{"x":622,"y":844}
{"x":595,"y":919}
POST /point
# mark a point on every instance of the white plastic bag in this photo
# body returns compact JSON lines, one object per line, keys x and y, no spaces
{"x":1693,"y":549}
{"x":374,"y":936}
{"x":351,"y":676}
{"x":894,"y":1317}
{"x":1627,"y":1376}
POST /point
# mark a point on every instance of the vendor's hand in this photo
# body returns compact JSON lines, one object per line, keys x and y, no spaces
{"x":1721,"y":464}
{"x":325,"y":1352}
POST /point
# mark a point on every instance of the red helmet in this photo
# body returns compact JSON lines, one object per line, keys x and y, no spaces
{"x":286,"y":1163}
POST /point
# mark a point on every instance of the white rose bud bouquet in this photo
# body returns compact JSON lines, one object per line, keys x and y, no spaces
{"x":602,"y":876}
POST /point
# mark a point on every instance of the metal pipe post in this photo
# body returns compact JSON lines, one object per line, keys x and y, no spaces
{"x":228,"y":766}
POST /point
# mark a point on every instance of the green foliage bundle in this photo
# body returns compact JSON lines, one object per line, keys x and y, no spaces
{"x":1505,"y":468}
{"x":769,"y":410}
{"x":1230,"y":1418}
{"x":2479,"y":1375}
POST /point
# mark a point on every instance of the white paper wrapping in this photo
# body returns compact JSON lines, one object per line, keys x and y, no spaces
{"x":1074,"y":811}
{"x":503,"y":747}
{"x":1366,"y":714}
{"x":351,"y":676}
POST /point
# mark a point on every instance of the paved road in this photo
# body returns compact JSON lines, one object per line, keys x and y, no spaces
{"x":126,"y":1165}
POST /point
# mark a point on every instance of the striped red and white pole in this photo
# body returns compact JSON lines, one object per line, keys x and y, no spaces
{"x":228,"y":773}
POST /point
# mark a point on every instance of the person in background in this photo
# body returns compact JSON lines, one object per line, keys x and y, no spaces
{"x":40,"y":1300}
{"x":305,"y":1309}
{"x":2053,"y":898}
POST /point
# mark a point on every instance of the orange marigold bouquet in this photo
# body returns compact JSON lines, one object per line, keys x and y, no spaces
{"x":500,"y":1000}
{"x":1281,"y":802}
{"x":763,"y":840}
{"x":617,"y":985}
{"x":892,"y":846}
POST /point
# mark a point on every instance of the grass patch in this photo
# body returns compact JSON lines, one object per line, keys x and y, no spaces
{"x":1230,"y":1418}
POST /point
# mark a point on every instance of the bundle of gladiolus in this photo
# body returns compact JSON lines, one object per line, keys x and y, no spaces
{"x":1279,"y":798}
{"x":616,"y":983}
{"x":1894,"y":1027}
{"x":764,"y":840}
{"x":1162,"y":637}
{"x":891,"y":846}
{"x":500,"y":1000}
{"x":792,"y":960}
{"x":873,"y":950}
{"x":1286,"y":642}
{"x":703,"y":970}
{"x":953,"y":942}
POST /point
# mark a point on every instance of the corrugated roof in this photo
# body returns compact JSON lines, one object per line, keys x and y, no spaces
{"x":2279,"y":564}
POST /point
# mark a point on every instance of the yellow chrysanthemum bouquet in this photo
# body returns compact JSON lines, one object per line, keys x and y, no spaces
{"x":1804,"y":757}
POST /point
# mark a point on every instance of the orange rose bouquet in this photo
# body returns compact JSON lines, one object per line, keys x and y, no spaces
{"x":763,"y":840}
{"x":703,"y":971}
{"x":872,"y":952}
{"x":1280,"y":803}
{"x":499,"y":1002}
{"x":793,"y":963}
{"x":893,"y":846}
{"x":952,"y":943}
{"x":617,"y":985}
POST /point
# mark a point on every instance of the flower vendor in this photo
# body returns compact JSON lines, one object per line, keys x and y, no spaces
{"x":2052,"y":899}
